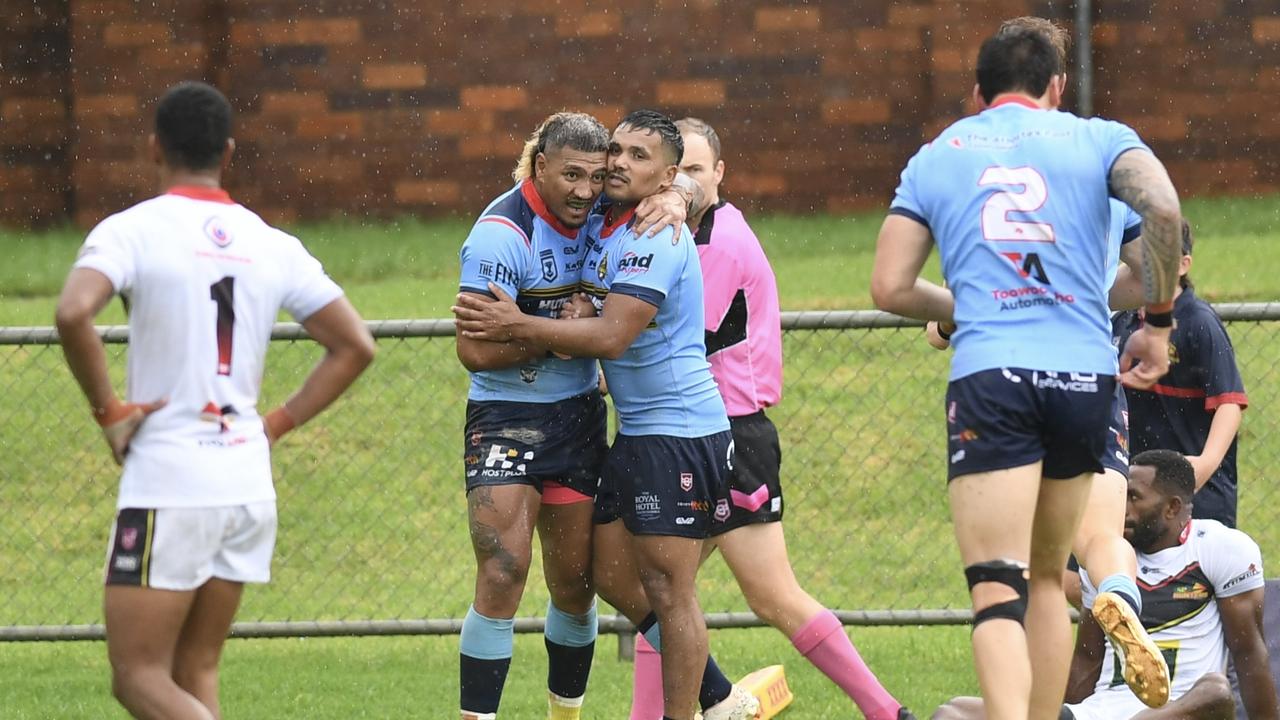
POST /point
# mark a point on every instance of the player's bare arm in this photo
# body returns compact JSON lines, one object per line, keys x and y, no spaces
{"x":479,"y":355}
{"x":1086,"y":661}
{"x":1142,"y":182}
{"x":84,"y":295}
{"x":669,"y":207}
{"x":1242,"y":627}
{"x":1127,"y":292}
{"x":1222,"y":432}
{"x":621,"y":320}
{"x":896,"y":285}
{"x":349,"y":349}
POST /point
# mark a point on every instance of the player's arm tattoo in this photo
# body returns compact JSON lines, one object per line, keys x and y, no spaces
{"x":689,"y":187}
{"x":1142,"y":183}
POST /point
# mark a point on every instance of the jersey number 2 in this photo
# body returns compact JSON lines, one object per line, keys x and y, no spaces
{"x":996,"y":224}
{"x":223,"y":294}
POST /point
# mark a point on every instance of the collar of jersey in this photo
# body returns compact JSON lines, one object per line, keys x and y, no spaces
{"x":197,"y":192}
{"x":611,"y":224}
{"x":532,"y":197}
{"x":1014,"y":100}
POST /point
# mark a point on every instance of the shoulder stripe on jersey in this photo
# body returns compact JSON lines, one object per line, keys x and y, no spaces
{"x":1231,"y":398}
{"x":733,"y":328}
{"x":508,"y":223}
{"x":639,"y":292}
{"x":611,"y":224}
{"x":703,"y":237}
{"x":1131,"y":234}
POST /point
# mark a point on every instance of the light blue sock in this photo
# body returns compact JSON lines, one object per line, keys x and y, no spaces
{"x":1125,"y":587}
{"x":649,"y":629}
{"x":486,"y":638}
{"x":571,"y":630}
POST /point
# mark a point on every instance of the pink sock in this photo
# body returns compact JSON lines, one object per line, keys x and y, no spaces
{"x":646,"y":690}
{"x":822,"y":642}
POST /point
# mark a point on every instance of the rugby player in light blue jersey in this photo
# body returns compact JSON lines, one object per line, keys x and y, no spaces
{"x":667,"y":473}
{"x":1017,"y":200}
{"x":535,"y":439}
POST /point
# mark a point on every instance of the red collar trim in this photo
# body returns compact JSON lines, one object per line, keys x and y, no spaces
{"x":532,"y":197}
{"x":1186,"y":533}
{"x":197,"y":192}
{"x":611,"y":223}
{"x":1015,"y":100}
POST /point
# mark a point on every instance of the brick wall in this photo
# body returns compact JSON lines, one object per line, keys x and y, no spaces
{"x":368,"y":108}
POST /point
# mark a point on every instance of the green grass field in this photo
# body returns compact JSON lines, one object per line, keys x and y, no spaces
{"x":372,"y":517}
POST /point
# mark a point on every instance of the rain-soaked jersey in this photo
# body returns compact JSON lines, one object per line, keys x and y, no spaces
{"x":662,"y":384}
{"x":203,"y":279}
{"x":1180,"y":587}
{"x":518,"y":245}
{"x":1017,"y":200}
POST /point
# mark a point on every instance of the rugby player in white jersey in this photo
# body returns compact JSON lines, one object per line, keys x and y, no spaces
{"x":203,"y":279}
{"x":1202,"y":597}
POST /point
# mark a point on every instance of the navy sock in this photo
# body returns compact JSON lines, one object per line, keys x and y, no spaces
{"x":484,"y":660}
{"x":715,"y":686}
{"x":571,"y":643}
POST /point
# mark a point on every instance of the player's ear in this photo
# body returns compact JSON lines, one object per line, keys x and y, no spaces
{"x":978,"y":102}
{"x":227,"y":152}
{"x":153,"y":149}
{"x":1054,"y":91}
{"x":539,"y":164}
{"x":1184,"y":266}
{"x":719,"y":172}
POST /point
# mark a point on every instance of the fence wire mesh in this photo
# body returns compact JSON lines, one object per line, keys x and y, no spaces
{"x":372,"y":512}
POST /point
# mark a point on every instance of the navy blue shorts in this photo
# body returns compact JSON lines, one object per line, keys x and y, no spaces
{"x":663,"y":485}
{"x":1117,"y":455}
{"x":755,"y":483}
{"x":999,"y":419}
{"x":508,"y":443}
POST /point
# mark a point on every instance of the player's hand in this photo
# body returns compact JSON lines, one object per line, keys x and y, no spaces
{"x":578,"y":306}
{"x":669,"y":208}
{"x":480,"y":318}
{"x":1204,"y":470}
{"x":1145,"y":358}
{"x":120,"y":422}
{"x":604,"y":386}
{"x":277,"y":423}
{"x":934,"y":337}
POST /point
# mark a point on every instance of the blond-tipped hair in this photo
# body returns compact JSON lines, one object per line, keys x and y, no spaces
{"x":573,"y":130}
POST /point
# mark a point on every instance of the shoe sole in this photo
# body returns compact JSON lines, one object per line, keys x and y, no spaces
{"x":1145,"y":671}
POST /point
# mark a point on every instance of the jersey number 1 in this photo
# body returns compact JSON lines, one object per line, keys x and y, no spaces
{"x":996,"y":224}
{"x":223,"y":294}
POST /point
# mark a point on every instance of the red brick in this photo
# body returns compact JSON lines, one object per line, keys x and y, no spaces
{"x":879,"y":40}
{"x":595,"y":24}
{"x":455,"y":123}
{"x":494,"y":97}
{"x":186,"y":56}
{"x":910,"y":15}
{"x":32,"y":109}
{"x":17,"y":177}
{"x":394,"y":76}
{"x":294,"y":103}
{"x":775,"y":19}
{"x":1161,"y":127}
{"x":428,"y":192}
{"x":325,"y":126}
{"x":126,"y":34}
{"x":497,"y":146}
{"x":336,"y":31}
{"x":691,"y":93}
{"x":856,"y":112}
{"x":108,"y":105}
{"x":754,"y":184}
{"x":1266,"y":29}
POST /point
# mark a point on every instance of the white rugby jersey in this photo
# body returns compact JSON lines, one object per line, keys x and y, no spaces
{"x":1180,"y":586}
{"x":203,"y":279}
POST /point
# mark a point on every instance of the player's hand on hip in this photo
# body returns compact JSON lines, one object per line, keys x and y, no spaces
{"x":120,"y":423}
{"x":1145,"y":358}
{"x":933,"y":333}
{"x":661,"y":211}
{"x":480,"y":318}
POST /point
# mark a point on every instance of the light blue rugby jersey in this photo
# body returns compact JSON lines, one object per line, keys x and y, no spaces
{"x":1018,"y":203}
{"x":662,"y":384}
{"x":1126,"y":226}
{"x":518,"y":245}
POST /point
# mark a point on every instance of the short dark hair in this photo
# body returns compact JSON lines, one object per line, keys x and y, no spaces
{"x":697,"y":126}
{"x":573,"y":130}
{"x":654,"y":121}
{"x":193,"y":123}
{"x":1017,"y":58}
{"x":1053,"y":32}
{"x":1175,"y":476}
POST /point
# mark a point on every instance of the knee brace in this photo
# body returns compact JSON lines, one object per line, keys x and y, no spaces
{"x":1008,"y":573}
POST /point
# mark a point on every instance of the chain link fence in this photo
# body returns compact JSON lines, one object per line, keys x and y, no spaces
{"x":373,"y":534}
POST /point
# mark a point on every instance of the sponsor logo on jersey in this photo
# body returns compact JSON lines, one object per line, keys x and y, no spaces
{"x":224,"y":416}
{"x":1194,"y":591}
{"x":549,"y":270}
{"x":722,"y":510}
{"x":129,"y":538}
{"x":648,"y":506}
{"x":965,"y":435}
{"x":686,"y":481}
{"x":1076,"y":382}
{"x":214,"y":230}
{"x":477,"y":438}
{"x":1250,"y":573}
{"x":499,"y":273}
{"x":603,"y":268}
{"x":529,"y":375}
{"x":127,"y":563}
{"x":633,"y":264}
{"x":504,"y":461}
{"x":684,"y":521}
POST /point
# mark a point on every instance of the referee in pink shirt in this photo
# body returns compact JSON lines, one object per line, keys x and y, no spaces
{"x":744,"y":347}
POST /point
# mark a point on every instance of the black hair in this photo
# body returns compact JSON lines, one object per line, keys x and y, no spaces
{"x":1175,"y":476}
{"x":697,"y":126}
{"x":573,"y":130}
{"x":193,"y":123}
{"x":1016,"y":59}
{"x":1187,"y":242}
{"x":654,"y":121}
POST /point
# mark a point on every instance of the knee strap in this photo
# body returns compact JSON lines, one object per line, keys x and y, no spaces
{"x":1008,"y":573}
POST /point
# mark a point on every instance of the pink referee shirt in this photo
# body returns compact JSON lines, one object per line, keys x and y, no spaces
{"x":744,"y":322}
